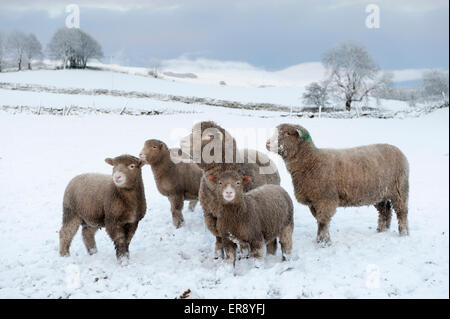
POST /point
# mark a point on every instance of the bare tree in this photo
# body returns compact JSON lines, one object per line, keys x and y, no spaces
{"x":16,"y":44}
{"x":436,"y":86}
{"x":316,"y":94}
{"x":74,"y":47}
{"x":351,"y":71}
{"x":154,"y":67}
{"x":33,"y":49}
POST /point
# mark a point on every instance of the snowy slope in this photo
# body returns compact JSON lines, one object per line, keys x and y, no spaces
{"x":40,"y":154}
{"x":89,"y":79}
{"x":287,"y":96}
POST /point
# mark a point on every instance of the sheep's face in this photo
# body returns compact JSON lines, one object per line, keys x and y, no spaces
{"x":286,"y":139}
{"x":201,"y":143}
{"x":152,"y":151}
{"x":229,"y":186}
{"x":126,"y":170}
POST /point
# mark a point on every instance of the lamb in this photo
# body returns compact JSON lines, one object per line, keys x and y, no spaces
{"x":175,"y":179}
{"x":98,"y":200}
{"x":325,"y":179}
{"x":256,"y":217}
{"x":248,"y":162}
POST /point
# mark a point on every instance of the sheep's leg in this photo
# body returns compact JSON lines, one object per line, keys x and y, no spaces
{"x":192,"y":204}
{"x":384,"y":215}
{"x":130,"y":229}
{"x":218,"y":249}
{"x":244,"y":249}
{"x":256,"y":251}
{"x":117,"y":234}
{"x":176,"y":206}
{"x":401,"y":209}
{"x":230,"y":250}
{"x":286,"y":241}
{"x":66,"y":234}
{"x":323,"y":217}
{"x":271,"y":247}
{"x":323,"y":233}
{"x":88,"y":234}
{"x":211,"y":224}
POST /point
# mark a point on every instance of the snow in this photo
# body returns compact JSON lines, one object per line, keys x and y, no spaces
{"x":40,"y":154}
{"x":134,"y":81}
{"x":89,"y":79}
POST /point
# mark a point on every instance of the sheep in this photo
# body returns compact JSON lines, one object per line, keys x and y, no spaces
{"x":175,"y":179}
{"x":325,"y":179}
{"x":256,"y":217}
{"x":248,"y":162}
{"x":99,"y":200}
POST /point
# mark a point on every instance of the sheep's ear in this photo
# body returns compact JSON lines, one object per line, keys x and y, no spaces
{"x":109,"y":161}
{"x":212,"y":178}
{"x":246,"y":179}
{"x":303,"y":134}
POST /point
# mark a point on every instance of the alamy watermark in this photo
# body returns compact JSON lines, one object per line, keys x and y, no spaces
{"x":73,"y":17}
{"x":211,"y":145}
{"x":373,"y":17}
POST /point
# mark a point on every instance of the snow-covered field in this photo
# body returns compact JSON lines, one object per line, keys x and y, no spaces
{"x":40,"y":154}
{"x":129,"y":83}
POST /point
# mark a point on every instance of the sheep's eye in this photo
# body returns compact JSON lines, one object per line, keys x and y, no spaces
{"x":286,"y":134}
{"x":238,"y":183}
{"x":132,"y":166}
{"x":220,"y":183}
{"x":154,"y":147}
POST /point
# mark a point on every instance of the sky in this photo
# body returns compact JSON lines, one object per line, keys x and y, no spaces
{"x":266,"y":34}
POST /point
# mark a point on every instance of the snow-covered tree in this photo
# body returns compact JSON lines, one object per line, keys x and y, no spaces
{"x":33,"y":49}
{"x":74,"y":47}
{"x":89,"y":49}
{"x":62,"y":45}
{"x":436,"y":85}
{"x":351,"y":71}
{"x":16,"y":45}
{"x":316,"y":94}
{"x":383,"y":86}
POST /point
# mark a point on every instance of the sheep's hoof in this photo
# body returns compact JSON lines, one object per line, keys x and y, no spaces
{"x":285,"y":257}
{"x":178,"y":223}
{"x":231,"y":261}
{"x":244,"y":253}
{"x":92,"y":251}
{"x":382,"y":228}
{"x":218,"y":253}
{"x":259,"y":263}
{"x":123,"y":260}
{"x":403,"y":232}
{"x":323,"y":241}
